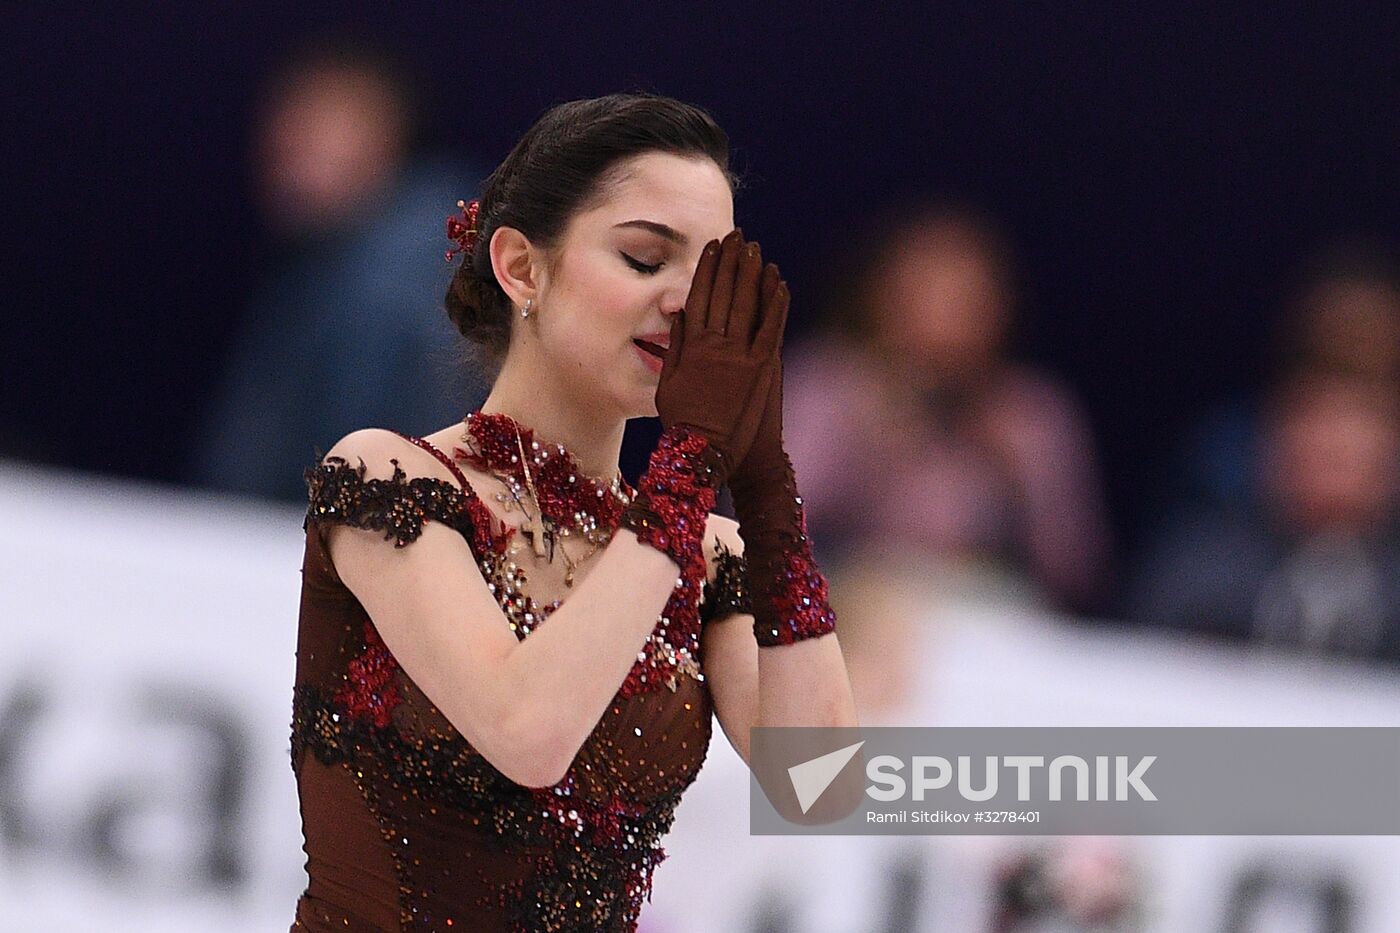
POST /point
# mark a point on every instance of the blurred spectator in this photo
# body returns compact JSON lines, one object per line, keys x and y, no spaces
{"x":353,"y":298}
{"x":1344,"y":315}
{"x":1075,"y":883}
{"x":909,"y":421}
{"x":1313,"y":560}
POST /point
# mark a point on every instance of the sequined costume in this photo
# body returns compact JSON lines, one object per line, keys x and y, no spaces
{"x":408,"y":827}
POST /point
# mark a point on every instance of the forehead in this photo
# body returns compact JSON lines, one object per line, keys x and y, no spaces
{"x":688,"y":194}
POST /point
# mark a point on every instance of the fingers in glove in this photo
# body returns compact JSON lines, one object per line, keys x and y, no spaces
{"x":673,"y":352}
{"x":766,"y":287}
{"x":723,"y":292}
{"x":744,"y":308}
{"x":770,"y":333}
{"x":697,"y":303}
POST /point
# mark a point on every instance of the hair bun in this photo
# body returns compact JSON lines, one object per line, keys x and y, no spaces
{"x":474,"y":305}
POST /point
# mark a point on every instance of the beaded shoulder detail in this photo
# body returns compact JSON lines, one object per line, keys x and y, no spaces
{"x":397,"y":506}
{"x":728,"y":593}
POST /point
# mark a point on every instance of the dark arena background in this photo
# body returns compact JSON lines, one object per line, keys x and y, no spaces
{"x":1174,"y":232}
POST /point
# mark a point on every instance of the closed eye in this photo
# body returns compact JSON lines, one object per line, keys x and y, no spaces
{"x":641,"y":266}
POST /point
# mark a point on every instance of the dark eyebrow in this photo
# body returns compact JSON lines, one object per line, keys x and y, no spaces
{"x":670,"y":233}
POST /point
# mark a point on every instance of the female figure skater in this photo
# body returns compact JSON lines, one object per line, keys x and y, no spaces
{"x":507,"y":657}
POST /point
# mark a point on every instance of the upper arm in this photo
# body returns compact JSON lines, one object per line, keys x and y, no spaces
{"x":428,"y":600}
{"x":728,"y":650}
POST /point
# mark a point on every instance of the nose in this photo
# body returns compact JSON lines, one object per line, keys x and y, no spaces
{"x":673,"y":301}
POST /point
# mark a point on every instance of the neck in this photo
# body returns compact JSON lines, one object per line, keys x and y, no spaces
{"x":593,"y":439}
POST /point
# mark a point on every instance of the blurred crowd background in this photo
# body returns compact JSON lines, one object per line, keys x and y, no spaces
{"x":1095,"y":310}
{"x":1102,"y":310}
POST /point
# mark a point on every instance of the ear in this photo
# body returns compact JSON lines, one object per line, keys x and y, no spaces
{"x":517,"y":263}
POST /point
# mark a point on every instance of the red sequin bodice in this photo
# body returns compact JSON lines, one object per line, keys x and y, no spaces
{"x":406,"y":825}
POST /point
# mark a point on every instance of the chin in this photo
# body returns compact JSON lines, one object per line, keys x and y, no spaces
{"x":641,"y":406}
{"x":641,"y":400}
{"x":633,"y":402}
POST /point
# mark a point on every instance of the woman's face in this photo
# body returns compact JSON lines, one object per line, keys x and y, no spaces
{"x":621,"y":272}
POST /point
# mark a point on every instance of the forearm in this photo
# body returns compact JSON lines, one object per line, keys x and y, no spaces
{"x":804,"y":684}
{"x":570,"y":668}
{"x":657,"y":550}
{"x":793,"y":685}
{"x":801,"y":672}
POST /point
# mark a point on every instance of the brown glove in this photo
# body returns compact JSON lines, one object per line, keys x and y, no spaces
{"x":788,"y":592}
{"x":715,"y":377}
{"x":714,"y":383}
{"x":766,"y":466}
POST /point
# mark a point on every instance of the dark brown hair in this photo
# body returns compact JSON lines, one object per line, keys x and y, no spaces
{"x":564,"y":164}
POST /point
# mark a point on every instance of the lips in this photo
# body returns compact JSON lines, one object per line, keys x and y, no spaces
{"x":655,"y":344}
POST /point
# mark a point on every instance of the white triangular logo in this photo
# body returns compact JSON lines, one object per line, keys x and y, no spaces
{"x":811,"y":778}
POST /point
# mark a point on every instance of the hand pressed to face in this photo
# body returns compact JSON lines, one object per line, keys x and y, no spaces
{"x":723,"y":350}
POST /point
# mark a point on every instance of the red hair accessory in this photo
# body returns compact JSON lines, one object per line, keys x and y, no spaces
{"x":462,"y":228}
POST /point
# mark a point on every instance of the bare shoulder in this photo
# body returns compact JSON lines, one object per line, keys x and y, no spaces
{"x":381,"y":450}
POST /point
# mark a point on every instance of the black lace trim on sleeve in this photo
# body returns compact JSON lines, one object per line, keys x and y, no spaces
{"x":728,"y":593}
{"x":398,"y":506}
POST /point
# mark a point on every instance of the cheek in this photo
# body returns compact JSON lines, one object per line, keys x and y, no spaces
{"x":612,"y":307}
{"x":597,"y":318}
